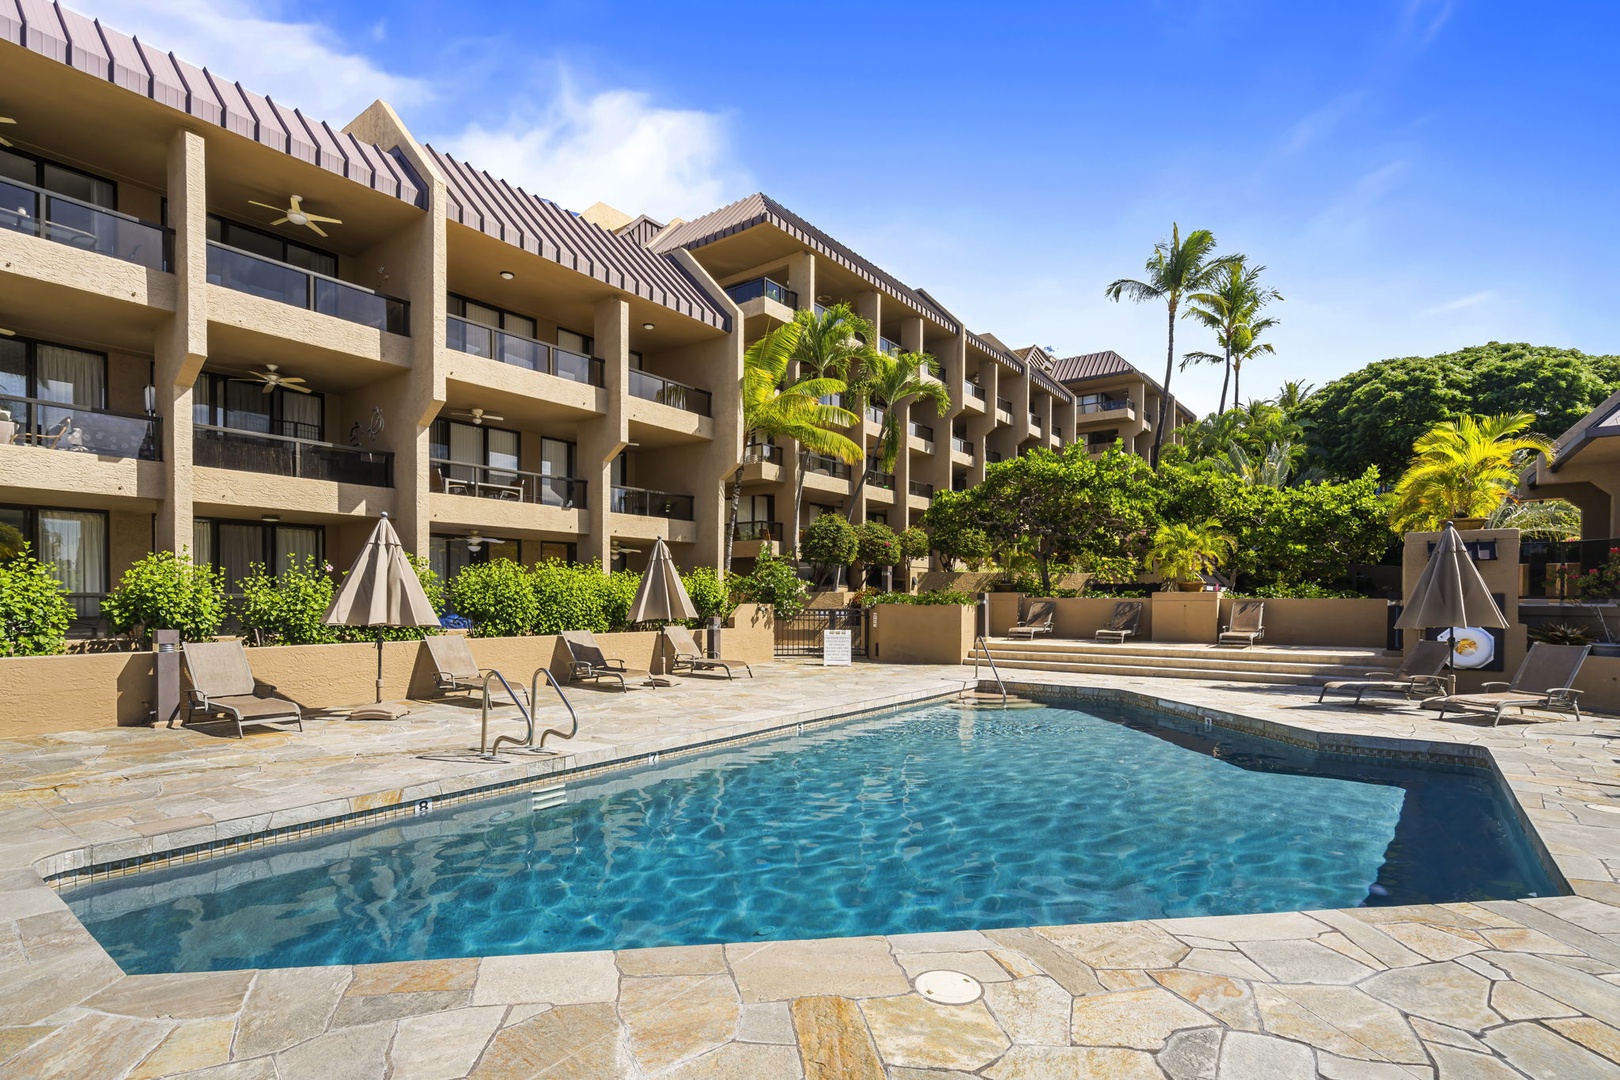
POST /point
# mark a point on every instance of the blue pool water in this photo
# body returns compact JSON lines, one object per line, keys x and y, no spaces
{"x":935,"y":819}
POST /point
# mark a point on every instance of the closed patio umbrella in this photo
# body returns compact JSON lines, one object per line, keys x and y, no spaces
{"x":1450,"y":593}
{"x":662,"y":597}
{"x":381,"y":590}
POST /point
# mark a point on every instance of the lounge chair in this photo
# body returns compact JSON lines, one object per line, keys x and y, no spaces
{"x":1037,"y":621}
{"x":1247,"y":625}
{"x":1542,"y":682}
{"x":455,"y":670}
{"x":588,"y":662}
{"x":688,"y":657}
{"x":1419,"y":673}
{"x":224,"y":691}
{"x":1127,"y":617}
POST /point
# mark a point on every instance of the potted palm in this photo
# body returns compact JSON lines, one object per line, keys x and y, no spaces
{"x":1182,"y":553}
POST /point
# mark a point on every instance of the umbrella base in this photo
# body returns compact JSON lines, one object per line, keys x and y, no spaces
{"x":378,"y":712}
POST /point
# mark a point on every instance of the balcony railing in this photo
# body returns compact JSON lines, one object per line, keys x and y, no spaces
{"x":258,"y":276}
{"x":887,"y":346}
{"x":884,"y":480}
{"x":507,"y":485}
{"x":875,"y":415}
{"x":827,"y":466}
{"x":1036,"y":422}
{"x":757,"y":452}
{"x":1105,"y":405}
{"x":280,"y":455}
{"x":644,"y":503}
{"x":922,"y":431}
{"x":758,"y":530}
{"x":744,"y":291}
{"x":962,"y":446}
{"x":835,"y":400}
{"x":650,"y":387}
{"x":1004,"y":404}
{"x":475,"y":339}
{"x":974,"y":390}
{"x":921,"y":490}
{"x":53,"y":425}
{"x":992,"y":456}
{"x":28,"y":209}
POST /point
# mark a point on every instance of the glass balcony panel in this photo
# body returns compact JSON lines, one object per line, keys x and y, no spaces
{"x":744,"y":291}
{"x":643,"y":502}
{"x":55,"y":425}
{"x":577,"y":367}
{"x":277,"y":455}
{"x":650,"y":387}
{"x":24,"y":208}
{"x":285,"y":284}
{"x":758,"y":530}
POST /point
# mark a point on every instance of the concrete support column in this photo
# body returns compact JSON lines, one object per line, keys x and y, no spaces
{"x":1019,"y":391}
{"x":982,"y":428}
{"x":802,"y":278}
{"x":604,"y":440}
{"x":182,"y":344}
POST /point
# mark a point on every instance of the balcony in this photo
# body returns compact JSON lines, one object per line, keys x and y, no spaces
{"x":258,"y":276}
{"x":744,"y":291}
{"x":876,"y":479}
{"x":974,"y":390}
{"x":283,"y":455}
{"x":963,"y":447}
{"x":1103,"y":405}
{"x":507,"y":485}
{"x":835,"y":400}
{"x":52,"y":425}
{"x":992,"y":456}
{"x":875,"y":415}
{"x":1004,"y":405}
{"x":644,"y":503}
{"x":827,"y":466}
{"x":650,"y":387}
{"x":922,"y":491}
{"x":758,"y":452}
{"x":1036,"y":422}
{"x":757,"y":530}
{"x":892,"y":348}
{"x":476,"y":339}
{"x":28,"y":209}
{"x":922,"y":431}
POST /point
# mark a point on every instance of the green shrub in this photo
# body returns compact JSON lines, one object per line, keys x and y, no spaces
{"x":710,"y":593}
{"x":1302,"y":590}
{"x":498,"y":596}
{"x":166,"y":591}
{"x":830,"y":543}
{"x":878,"y":545}
{"x":618,"y":592}
{"x":34,"y":608}
{"x":287,"y":608}
{"x":936,"y":598}
{"x":774,"y":582}
{"x":914,"y":543}
{"x":566,"y":597}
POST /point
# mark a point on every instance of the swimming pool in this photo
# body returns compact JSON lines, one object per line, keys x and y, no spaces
{"x":938,"y":818}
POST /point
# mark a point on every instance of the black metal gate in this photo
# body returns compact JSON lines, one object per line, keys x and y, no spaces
{"x":801,"y":635}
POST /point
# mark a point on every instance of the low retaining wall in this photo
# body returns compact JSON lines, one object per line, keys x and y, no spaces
{"x":1190,"y":617}
{"x":920,"y":633}
{"x":1344,"y":622}
{"x":1082,"y":616}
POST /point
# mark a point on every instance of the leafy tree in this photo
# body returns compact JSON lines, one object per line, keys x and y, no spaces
{"x":773,"y":409}
{"x":914,"y":543}
{"x":951,"y":524}
{"x":1464,"y":468}
{"x":1542,"y":519}
{"x":877,"y":544}
{"x":834,"y":344}
{"x":774,"y":582}
{"x":710,"y":592}
{"x":1175,"y":270}
{"x":894,"y":382}
{"x":1232,"y":301}
{"x":166,"y":591}
{"x":830,"y":544}
{"x":34,"y":608}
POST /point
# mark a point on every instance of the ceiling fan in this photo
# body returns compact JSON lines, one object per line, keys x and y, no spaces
{"x":478,"y":416}
{"x":6,"y":120}
{"x":476,"y":542}
{"x":616,"y":550}
{"x":295,"y":214}
{"x":273,"y":379}
{"x":7,"y":333}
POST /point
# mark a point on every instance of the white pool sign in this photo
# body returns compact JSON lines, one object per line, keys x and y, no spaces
{"x":836,"y":647}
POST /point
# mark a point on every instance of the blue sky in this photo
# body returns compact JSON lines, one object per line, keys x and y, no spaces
{"x":1417,"y":175}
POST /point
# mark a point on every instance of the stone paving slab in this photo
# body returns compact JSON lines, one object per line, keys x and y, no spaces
{"x":1503,"y":989}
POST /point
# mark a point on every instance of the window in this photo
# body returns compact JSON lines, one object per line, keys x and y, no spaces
{"x":756,"y":508}
{"x":258,"y":242}
{"x":575,"y":343}
{"x":236,"y":546}
{"x":58,"y":179}
{"x":621,"y":469}
{"x":73,"y":543}
{"x":242,"y":405}
{"x":35,"y":369}
{"x":879,"y":516}
{"x":558,"y":458}
{"x":475,"y":445}
{"x":494,"y":317}
{"x":637,"y":361}
{"x":553,"y":550}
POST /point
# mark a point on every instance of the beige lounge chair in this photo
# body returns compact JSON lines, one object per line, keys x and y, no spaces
{"x":1542,"y":682}
{"x":1127,"y":617}
{"x":455,"y":670}
{"x":689,"y":657}
{"x":224,"y":691}
{"x":588,"y":662}
{"x":1247,"y":625}
{"x":1038,"y":620}
{"x":1419,"y":673}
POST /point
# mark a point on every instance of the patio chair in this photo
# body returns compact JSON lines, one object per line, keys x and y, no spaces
{"x":690,"y":658}
{"x":1127,"y":617}
{"x":224,"y":691}
{"x":1542,"y":682}
{"x":454,"y":668}
{"x":56,"y":434}
{"x":438,"y":481}
{"x":1038,"y":620}
{"x":1419,"y":673}
{"x":587,"y":661}
{"x":1247,"y":625}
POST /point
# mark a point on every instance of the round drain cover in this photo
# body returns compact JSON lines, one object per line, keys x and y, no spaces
{"x":949,"y":987}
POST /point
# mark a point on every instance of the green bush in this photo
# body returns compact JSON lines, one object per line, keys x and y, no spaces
{"x":166,"y":591}
{"x":1303,"y":590}
{"x":498,"y":596}
{"x":774,"y":582}
{"x":914,"y":543}
{"x":287,"y":608}
{"x":618,"y":592}
{"x":34,"y":608}
{"x":566,"y":597}
{"x":878,"y":545}
{"x":830,"y":543}
{"x":936,"y":598}
{"x":711,"y":594}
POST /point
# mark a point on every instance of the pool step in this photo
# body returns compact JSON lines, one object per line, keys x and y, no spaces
{"x":1284,"y":666}
{"x":547,"y":797}
{"x":991,"y":699}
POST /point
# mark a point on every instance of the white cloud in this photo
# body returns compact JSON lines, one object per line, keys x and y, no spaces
{"x":1319,"y":124}
{"x":615,"y":146}
{"x":1461,"y":303}
{"x":299,"y":64}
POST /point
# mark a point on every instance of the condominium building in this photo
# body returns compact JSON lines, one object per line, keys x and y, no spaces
{"x":235,"y":329}
{"x":1113,"y":400}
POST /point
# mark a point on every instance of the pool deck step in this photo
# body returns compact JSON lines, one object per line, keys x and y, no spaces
{"x":1301,"y":666}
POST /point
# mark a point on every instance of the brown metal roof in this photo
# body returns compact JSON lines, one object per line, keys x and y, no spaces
{"x":541,"y":227}
{"x":88,"y":46}
{"x":1095,"y":365}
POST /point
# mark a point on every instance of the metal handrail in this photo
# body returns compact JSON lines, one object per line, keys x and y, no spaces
{"x":486,"y":749}
{"x":980,"y":643}
{"x":534,"y":695}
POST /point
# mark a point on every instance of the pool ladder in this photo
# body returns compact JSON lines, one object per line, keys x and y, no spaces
{"x":980,"y":643}
{"x":488,"y":750}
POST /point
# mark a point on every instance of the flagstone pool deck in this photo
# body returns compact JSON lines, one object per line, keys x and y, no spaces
{"x":1500,"y":989}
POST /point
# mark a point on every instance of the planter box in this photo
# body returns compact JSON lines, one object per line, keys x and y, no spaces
{"x":921,"y":634}
{"x":1192,"y":617}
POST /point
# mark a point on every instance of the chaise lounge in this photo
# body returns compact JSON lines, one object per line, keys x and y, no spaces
{"x":1542,"y":682}
{"x":224,"y":691}
{"x":1037,"y":621}
{"x":1247,"y":625}
{"x":1419,"y":673}
{"x":1127,"y":617}
{"x":690,"y":658}
{"x":455,"y":670}
{"x":587,"y":662}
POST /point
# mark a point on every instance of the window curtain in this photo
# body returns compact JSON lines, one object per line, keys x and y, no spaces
{"x":74,"y":544}
{"x":240,"y":546}
{"x":247,"y":406}
{"x":503,"y":455}
{"x":202,"y":542}
{"x":71,"y":376}
{"x":295,"y":543}
{"x":301,"y":415}
{"x":466,"y":445}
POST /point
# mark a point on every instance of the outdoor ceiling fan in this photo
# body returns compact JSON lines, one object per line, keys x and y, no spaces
{"x":7,"y":333}
{"x":476,"y":541}
{"x":478,"y":416}
{"x":273,"y":379}
{"x":6,"y":120}
{"x":616,"y":550}
{"x":295,"y":214}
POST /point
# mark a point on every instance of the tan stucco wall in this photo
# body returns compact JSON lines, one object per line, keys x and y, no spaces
{"x":45,"y":694}
{"x":1358,"y":623}
{"x":920,"y":634}
{"x":1187,"y":617}
{"x":1083,"y":616}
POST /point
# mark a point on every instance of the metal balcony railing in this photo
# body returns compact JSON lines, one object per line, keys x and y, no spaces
{"x":507,"y":485}
{"x":828,"y":466}
{"x":645,"y":503}
{"x":925,"y":491}
{"x":28,"y":209}
{"x":962,"y":446}
{"x":53,"y":425}
{"x":282,"y":455}
{"x":875,"y":415}
{"x":885,"y":345}
{"x":650,"y":387}
{"x":744,"y":291}
{"x":1004,"y":404}
{"x":884,"y":480}
{"x":1036,"y":422}
{"x":758,"y":530}
{"x":922,"y":431}
{"x":258,"y":276}
{"x":757,"y":452}
{"x":476,"y":339}
{"x":992,"y":456}
{"x":1103,"y":405}
{"x":974,"y":390}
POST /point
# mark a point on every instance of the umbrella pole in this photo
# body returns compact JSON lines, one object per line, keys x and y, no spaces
{"x":379,"y":664}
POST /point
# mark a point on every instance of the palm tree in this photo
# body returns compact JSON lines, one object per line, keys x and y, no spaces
{"x":1463,"y":468}
{"x":1245,"y":348}
{"x":1292,"y":398}
{"x":1183,"y":552}
{"x":1176,"y":269}
{"x":1232,"y":300}
{"x":834,"y":343}
{"x":774,"y":409}
{"x":894,"y":382}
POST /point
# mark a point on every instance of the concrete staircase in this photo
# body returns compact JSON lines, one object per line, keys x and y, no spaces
{"x":1285,"y":665}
